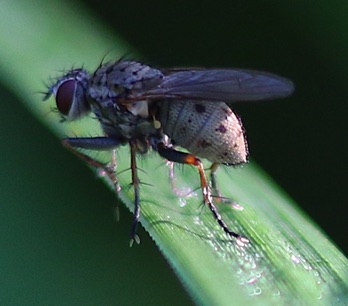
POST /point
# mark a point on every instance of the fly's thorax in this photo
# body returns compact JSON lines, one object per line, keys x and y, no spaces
{"x":113,"y":82}
{"x":119,"y":79}
{"x":206,"y":129}
{"x":124,"y":121}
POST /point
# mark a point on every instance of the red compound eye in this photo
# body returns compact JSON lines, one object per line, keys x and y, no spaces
{"x":65,"y":96}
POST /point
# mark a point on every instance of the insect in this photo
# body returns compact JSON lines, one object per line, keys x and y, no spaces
{"x":144,"y":107}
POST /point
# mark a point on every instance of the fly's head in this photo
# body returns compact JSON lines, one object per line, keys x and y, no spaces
{"x":70,"y":92}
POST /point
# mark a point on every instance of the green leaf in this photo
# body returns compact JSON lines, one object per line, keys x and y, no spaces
{"x":288,"y":260}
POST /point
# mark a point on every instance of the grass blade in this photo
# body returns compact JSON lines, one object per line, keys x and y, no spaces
{"x":288,"y":261}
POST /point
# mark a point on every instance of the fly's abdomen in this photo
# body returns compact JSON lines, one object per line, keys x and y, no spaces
{"x":206,"y":129}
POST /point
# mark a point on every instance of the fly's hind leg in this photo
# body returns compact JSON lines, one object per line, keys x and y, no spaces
{"x":186,"y":158}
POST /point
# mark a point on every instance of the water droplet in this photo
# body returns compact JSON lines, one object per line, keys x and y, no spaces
{"x":296,"y":259}
{"x":306,"y":266}
{"x":257,"y":291}
{"x":242,"y":241}
{"x":251,"y":280}
{"x":237,"y":206}
{"x":197,"y":220}
{"x":182,"y":202}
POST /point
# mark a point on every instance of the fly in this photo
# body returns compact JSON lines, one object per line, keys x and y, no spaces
{"x":144,"y":107}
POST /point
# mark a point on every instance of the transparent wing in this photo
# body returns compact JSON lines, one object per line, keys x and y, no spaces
{"x":228,"y":85}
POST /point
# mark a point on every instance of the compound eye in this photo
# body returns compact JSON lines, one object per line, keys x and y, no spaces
{"x":65,"y":96}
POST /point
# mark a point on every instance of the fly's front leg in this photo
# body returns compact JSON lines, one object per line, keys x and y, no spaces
{"x":186,"y":158}
{"x":135,"y":183}
{"x":94,"y":143}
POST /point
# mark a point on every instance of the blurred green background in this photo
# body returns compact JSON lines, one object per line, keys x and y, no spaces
{"x":58,"y":237}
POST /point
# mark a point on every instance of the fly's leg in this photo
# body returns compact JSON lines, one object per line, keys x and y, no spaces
{"x":216,"y":190}
{"x":105,"y":144}
{"x":218,"y":195}
{"x":95,"y":143}
{"x":135,"y":183}
{"x":213,"y":169}
{"x":116,"y":186}
{"x":180,"y":192}
{"x":186,"y":158}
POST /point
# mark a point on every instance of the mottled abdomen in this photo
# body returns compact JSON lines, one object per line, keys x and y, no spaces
{"x":206,"y":129}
